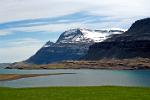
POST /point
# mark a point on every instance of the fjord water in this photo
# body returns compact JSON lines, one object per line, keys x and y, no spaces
{"x":82,"y":77}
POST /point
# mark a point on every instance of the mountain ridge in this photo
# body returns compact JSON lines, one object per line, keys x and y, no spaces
{"x":127,"y":51}
{"x":133,"y":43}
{"x":71,"y":45}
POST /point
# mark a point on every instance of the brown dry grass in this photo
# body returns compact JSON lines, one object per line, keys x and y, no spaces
{"x":136,"y":63}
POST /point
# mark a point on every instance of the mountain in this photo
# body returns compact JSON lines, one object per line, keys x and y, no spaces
{"x":71,"y":45}
{"x":85,"y":35}
{"x":133,"y":43}
{"x":4,"y":65}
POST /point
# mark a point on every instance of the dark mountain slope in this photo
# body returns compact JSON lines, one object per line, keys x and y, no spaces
{"x":133,"y":43}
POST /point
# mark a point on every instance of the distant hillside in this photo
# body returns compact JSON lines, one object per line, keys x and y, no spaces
{"x":71,"y":45}
{"x":133,"y":43}
{"x":4,"y":65}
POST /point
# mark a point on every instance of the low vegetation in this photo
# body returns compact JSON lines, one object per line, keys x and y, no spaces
{"x":75,"y":93}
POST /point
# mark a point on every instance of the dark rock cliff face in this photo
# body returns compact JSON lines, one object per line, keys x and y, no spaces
{"x":59,"y":52}
{"x":133,"y":43}
{"x":129,"y":49}
{"x":140,"y":27}
{"x":65,"y":48}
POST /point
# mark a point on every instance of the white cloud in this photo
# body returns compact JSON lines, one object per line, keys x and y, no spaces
{"x":28,"y":9}
{"x":15,"y":54}
{"x":47,"y":28}
{"x":31,"y":9}
{"x":26,"y":42}
{"x":5,"y":32}
{"x":119,"y":8}
{"x":120,"y":13}
{"x":20,"y":49}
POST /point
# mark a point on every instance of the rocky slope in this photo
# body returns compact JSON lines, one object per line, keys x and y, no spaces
{"x":113,"y":64}
{"x":71,"y":45}
{"x":133,"y":43}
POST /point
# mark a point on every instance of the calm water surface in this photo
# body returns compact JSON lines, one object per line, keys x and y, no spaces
{"x":83,"y":77}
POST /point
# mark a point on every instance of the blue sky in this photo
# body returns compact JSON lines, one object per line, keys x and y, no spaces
{"x":26,"y":25}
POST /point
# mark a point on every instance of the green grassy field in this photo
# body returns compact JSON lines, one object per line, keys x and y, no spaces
{"x":76,"y":93}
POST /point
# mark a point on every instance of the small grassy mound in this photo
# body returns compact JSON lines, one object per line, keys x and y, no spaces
{"x":76,"y":93}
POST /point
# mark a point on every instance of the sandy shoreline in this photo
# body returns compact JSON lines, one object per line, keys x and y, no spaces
{"x":8,"y":77}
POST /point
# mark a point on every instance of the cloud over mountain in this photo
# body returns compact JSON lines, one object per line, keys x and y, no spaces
{"x":46,"y":19}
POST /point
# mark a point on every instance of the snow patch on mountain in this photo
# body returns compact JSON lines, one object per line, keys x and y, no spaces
{"x":93,"y":35}
{"x":85,"y":35}
{"x":48,"y":44}
{"x":81,"y":35}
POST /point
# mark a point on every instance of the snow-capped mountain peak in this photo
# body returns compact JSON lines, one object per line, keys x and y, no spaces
{"x":49,"y":43}
{"x":81,"y":35}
